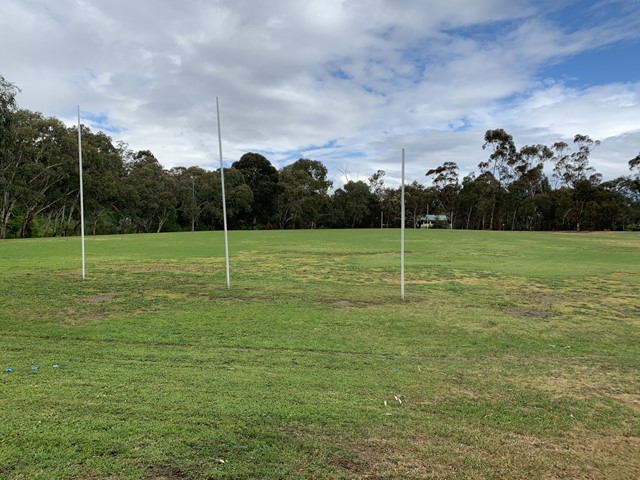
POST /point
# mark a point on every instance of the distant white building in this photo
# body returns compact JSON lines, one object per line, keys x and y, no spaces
{"x":434,"y":221}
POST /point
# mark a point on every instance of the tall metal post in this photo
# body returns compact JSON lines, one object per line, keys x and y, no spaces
{"x":81,"y":190}
{"x":193,"y":211}
{"x":402,"y":233}
{"x":224,"y":202}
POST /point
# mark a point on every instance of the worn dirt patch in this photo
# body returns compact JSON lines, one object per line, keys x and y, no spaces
{"x":97,"y":299}
{"x":347,"y":303}
{"x":166,"y":473}
{"x":342,"y":303}
{"x":71,"y":316}
{"x":527,"y":313}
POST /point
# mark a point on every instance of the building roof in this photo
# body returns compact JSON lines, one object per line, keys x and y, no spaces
{"x":434,"y":218}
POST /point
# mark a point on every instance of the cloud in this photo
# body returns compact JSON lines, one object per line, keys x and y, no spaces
{"x":357,"y":79}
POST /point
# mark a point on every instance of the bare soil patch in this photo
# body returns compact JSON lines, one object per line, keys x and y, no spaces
{"x":347,"y":303}
{"x":97,"y":299}
{"x":166,"y":473}
{"x":528,"y":313}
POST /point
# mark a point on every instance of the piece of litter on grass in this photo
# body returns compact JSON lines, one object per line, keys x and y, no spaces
{"x":9,"y":370}
{"x":398,"y":399}
{"x":385,"y":403}
{"x":221,"y":461}
{"x":55,"y":365}
{"x":34,"y":367}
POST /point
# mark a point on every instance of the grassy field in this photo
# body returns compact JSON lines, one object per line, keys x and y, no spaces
{"x":514,"y":355}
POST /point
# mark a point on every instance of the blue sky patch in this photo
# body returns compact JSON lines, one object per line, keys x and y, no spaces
{"x":100,"y":121}
{"x":616,"y":63}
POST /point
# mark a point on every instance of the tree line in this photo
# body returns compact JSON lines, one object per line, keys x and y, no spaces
{"x":129,"y":191}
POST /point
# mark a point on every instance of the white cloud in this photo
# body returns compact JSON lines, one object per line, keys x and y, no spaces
{"x":373,"y":76}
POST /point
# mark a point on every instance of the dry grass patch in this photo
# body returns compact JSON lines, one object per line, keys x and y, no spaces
{"x":73,"y":317}
{"x":97,"y":299}
{"x":166,"y":473}
{"x":481,"y":455}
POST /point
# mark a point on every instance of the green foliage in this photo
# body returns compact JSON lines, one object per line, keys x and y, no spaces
{"x":262,"y":179}
{"x":303,"y":198}
{"x":128,"y":191}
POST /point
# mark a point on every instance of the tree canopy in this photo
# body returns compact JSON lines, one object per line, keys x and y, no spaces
{"x":536,"y":187}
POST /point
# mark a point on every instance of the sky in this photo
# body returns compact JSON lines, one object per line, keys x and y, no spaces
{"x":346,"y":82}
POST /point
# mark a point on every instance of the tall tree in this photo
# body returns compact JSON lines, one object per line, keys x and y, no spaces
{"x":445,"y":180}
{"x":8,"y":167}
{"x":416,"y":201}
{"x":238,"y":196}
{"x":103,"y":173}
{"x":634,"y":166}
{"x":149,"y":192}
{"x":529,"y":181}
{"x":379,"y":190}
{"x":571,"y":168}
{"x":262,"y":179}
{"x":502,"y":157}
{"x":499,"y":165}
{"x":304,"y":194}
{"x":190,"y":194}
{"x":353,"y":202}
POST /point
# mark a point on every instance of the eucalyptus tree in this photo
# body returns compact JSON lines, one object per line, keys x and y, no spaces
{"x":470,"y":203}
{"x":499,"y":165}
{"x":304,"y":193}
{"x":103,"y":174}
{"x":148,"y":193}
{"x":353,"y":203}
{"x":528,"y":182}
{"x":502,"y":157}
{"x":489,"y":193}
{"x":627,"y":190}
{"x":379,"y":190}
{"x":445,"y":180}
{"x":8,"y":92}
{"x":190,"y":194}
{"x":574,"y":173}
{"x":238,"y":196}
{"x":390,"y":207}
{"x":573,"y":167}
{"x":262,"y":178}
{"x":37,"y":155}
{"x":634,"y":166}
{"x":8,"y":167}
{"x":416,"y":201}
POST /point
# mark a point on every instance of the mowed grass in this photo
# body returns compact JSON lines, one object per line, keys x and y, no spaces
{"x":514,"y":355}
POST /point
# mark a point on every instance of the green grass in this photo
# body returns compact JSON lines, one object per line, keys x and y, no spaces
{"x":514,"y":355}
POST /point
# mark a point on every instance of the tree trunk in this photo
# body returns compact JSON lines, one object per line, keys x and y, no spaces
{"x":47,"y":225}
{"x":3,"y":228}
{"x":493,"y":207}
{"x":25,"y":224}
{"x":66,"y":223}
{"x":6,"y":215}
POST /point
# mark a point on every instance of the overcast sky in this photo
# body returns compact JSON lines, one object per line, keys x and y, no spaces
{"x":346,"y":82}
